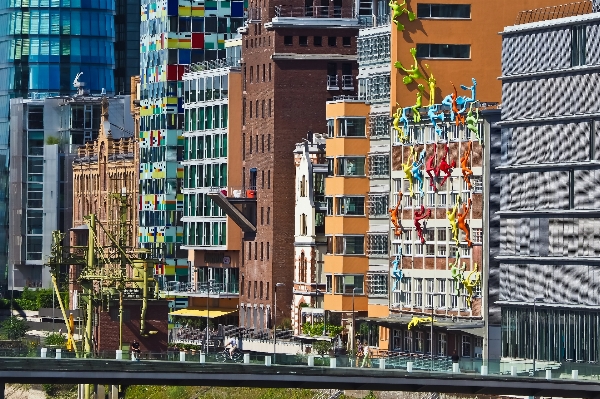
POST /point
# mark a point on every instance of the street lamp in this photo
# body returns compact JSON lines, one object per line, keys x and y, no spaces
{"x":535,"y":339}
{"x":353,"y":323}
{"x":275,"y":320}
{"x":208,"y":288}
{"x":433,"y":295}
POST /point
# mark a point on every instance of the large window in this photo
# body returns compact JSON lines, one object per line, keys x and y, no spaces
{"x":350,"y":245}
{"x":443,"y":10}
{"x":443,"y":51}
{"x":354,"y":206}
{"x":578,"y":45}
{"x":351,"y":127}
{"x":351,"y":166}
{"x":346,"y":284}
{"x":406,"y":291}
{"x":466,"y":346}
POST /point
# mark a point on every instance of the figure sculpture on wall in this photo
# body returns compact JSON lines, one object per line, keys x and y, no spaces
{"x":458,"y":117}
{"x":398,"y":10}
{"x":407,"y":168}
{"x":469,"y":100}
{"x":457,"y":272}
{"x":417,"y":172}
{"x":431,"y":167}
{"x":396,"y":271}
{"x":400,"y":116}
{"x":453,"y":222}
{"x":415,"y":321}
{"x":472,"y":122}
{"x":445,"y":167}
{"x":431,"y":82}
{"x":462,"y":224}
{"x":434,"y":116}
{"x":413,"y":72}
{"x":395,"y":217}
{"x":453,"y":101}
{"x":464,"y":165}
{"x":418,"y":104}
{"x":471,"y":284}
{"x":420,"y":215}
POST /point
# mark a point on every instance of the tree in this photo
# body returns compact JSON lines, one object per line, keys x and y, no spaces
{"x":14,"y":327}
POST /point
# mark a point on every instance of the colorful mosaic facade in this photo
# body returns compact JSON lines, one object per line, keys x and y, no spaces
{"x":175,"y":35}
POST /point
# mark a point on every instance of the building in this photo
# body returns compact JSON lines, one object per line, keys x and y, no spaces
{"x":175,"y":34}
{"x":47,"y":133}
{"x":547,"y":172}
{"x":310,"y":244}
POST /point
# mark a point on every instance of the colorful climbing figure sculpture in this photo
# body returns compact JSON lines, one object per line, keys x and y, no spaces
{"x":431,"y":169}
{"x":415,"y":321}
{"x":394,"y":216}
{"x":398,"y":10}
{"x":413,"y":72}
{"x":418,"y":104}
{"x":420,"y":215}
{"x":462,"y":224}
{"x":434,"y":116}
{"x":471,"y":284}
{"x":402,"y":132}
{"x":431,"y":82}
{"x":457,"y":272}
{"x":407,"y":168}
{"x":451,"y":214}
{"x":417,"y":172}
{"x":396,"y":271}
{"x":445,"y":167}
{"x":472,"y":122}
{"x":464,"y":165}
{"x":469,"y":100}
{"x":458,"y":117}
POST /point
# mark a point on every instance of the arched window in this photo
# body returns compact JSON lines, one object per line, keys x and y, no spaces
{"x":303,"y":186}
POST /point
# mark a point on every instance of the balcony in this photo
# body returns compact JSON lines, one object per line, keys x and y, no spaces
{"x":332,"y":82}
{"x":202,"y":289}
{"x":347,"y":82}
{"x":319,"y":16}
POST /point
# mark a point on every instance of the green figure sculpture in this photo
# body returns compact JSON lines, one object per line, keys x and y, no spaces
{"x":472,"y":122}
{"x":415,"y":108}
{"x":398,"y":10}
{"x":413,"y":73}
{"x":457,"y":272}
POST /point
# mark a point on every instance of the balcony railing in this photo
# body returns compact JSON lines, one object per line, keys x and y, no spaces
{"x":236,"y":192}
{"x":555,"y":12}
{"x":332,"y":82}
{"x":331,"y":11}
{"x":202,"y":288}
{"x":347,"y":82}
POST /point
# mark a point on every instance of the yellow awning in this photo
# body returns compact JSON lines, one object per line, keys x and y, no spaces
{"x":202,"y":313}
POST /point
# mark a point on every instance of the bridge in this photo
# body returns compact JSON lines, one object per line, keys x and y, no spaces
{"x":193,"y":373}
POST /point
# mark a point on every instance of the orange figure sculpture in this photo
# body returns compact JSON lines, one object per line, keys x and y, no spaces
{"x":420,"y":215}
{"x":430,"y":166}
{"x":458,"y":117}
{"x":445,"y":167}
{"x":464,"y":165}
{"x":462,"y":224}
{"x":394,"y":216}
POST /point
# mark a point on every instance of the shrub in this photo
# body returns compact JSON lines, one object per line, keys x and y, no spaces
{"x":55,"y":339}
{"x":322,"y":347}
{"x":14,"y":328}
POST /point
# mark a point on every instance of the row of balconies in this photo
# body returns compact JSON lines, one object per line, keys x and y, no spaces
{"x":333,"y":82}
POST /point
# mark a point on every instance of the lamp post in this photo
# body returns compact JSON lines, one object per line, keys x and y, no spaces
{"x":433,"y":295}
{"x":353,"y":323}
{"x":208,"y":288}
{"x":275,"y":320}
{"x":319,"y":292}
{"x":535,"y":339}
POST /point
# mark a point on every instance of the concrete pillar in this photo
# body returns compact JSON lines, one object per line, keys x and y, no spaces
{"x":267,"y":360}
{"x":311,"y":360}
{"x":548,"y":374}
{"x":100,"y":392}
{"x":513,"y":371}
{"x":382,"y":363}
{"x":409,"y":367}
{"x":332,"y":362}
{"x":203,"y":358}
{"x":44,"y":352}
{"x":114,"y":392}
{"x":455,"y":368}
{"x":119,"y":354}
{"x":58,"y":353}
{"x":182,"y":356}
{"x":246,"y":358}
{"x":484,"y":370}
{"x":575,"y":374}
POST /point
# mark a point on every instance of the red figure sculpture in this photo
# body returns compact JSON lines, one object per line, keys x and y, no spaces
{"x":464,"y":165}
{"x":444,"y":167}
{"x":458,"y":117}
{"x":462,"y":224}
{"x":420,"y":215}
{"x":395,"y":217}
{"x":430,"y":166}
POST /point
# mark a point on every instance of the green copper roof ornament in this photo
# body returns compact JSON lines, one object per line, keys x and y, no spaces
{"x":413,"y":73}
{"x":398,"y":10}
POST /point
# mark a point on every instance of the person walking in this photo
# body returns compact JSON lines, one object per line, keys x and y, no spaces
{"x":366,"y":356}
{"x":359,"y":352}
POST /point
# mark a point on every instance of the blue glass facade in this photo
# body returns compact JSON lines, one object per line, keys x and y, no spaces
{"x":44,"y":44}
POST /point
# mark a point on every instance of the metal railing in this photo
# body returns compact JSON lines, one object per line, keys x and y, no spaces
{"x":236,"y":192}
{"x":213,"y":64}
{"x":555,"y":12}
{"x":347,"y":82}
{"x":284,"y":11}
{"x":332,"y":82}
{"x":202,"y":288}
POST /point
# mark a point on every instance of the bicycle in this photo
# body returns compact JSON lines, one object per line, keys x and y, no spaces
{"x":236,"y":356}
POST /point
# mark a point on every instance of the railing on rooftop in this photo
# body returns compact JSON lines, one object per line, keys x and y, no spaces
{"x":283,"y":11}
{"x":201,"y":288}
{"x":555,"y":12}
{"x":213,"y":64}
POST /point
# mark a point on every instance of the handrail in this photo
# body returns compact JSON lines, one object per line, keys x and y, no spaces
{"x":555,"y":12}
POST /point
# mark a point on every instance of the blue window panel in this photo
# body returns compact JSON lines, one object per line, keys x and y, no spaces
{"x":237,"y":9}
{"x":172,"y":7}
{"x":185,"y":56}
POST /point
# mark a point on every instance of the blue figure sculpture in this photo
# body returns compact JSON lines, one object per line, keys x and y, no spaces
{"x":473,"y":98}
{"x":433,"y":116}
{"x":404,"y":120}
{"x":417,"y":172}
{"x":396,"y":271}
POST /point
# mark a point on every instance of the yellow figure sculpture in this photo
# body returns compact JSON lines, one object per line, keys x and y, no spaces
{"x":407,"y":168}
{"x":418,"y":320}
{"x":398,"y":116}
{"x":432,"y":85}
{"x":470,"y":284}
{"x":398,"y":10}
{"x":418,"y":104}
{"x":453,"y":221}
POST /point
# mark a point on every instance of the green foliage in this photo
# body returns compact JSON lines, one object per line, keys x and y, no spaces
{"x":173,"y":392}
{"x":55,"y":339}
{"x":285,"y":324}
{"x":316,"y":329}
{"x":13,"y":328}
{"x":59,"y":390}
{"x":322,"y":347}
{"x":363,"y":329}
{"x":51,"y":140}
{"x":35,"y":299}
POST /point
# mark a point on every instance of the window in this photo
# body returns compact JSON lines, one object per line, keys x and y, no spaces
{"x":303,"y":40}
{"x":330,"y":161}
{"x":354,"y":206}
{"x":441,"y":289}
{"x":351,"y":127}
{"x":418,"y":293}
{"x":251,"y":78}
{"x":269,"y":74}
{"x":443,"y":10}
{"x":430,"y":250}
{"x":351,"y":166}
{"x":477,"y":235}
{"x":578,"y":45}
{"x":466,"y":346}
{"x":350,"y":245}
{"x":346,"y":284}
{"x":346,"y":41}
{"x":329,"y":202}
{"x":429,"y":286}
{"x":442,"y":345}
{"x":318,"y":40}
{"x":419,"y":342}
{"x":477,"y":183}
{"x":328,"y":283}
{"x":268,"y":254}
{"x":406,"y":291}
{"x":332,"y":41}
{"x":330,"y":127}
{"x":268,"y":215}
{"x":454,"y":293}
{"x":377,"y":244}
{"x":303,"y":225}
{"x":408,"y":341}
{"x":269,"y":179}
{"x":378,"y":204}
{"x":377,"y":284}
{"x":379,"y":165}
{"x":329,"y":240}
{"x":288,"y":40}
{"x":443,"y":50}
